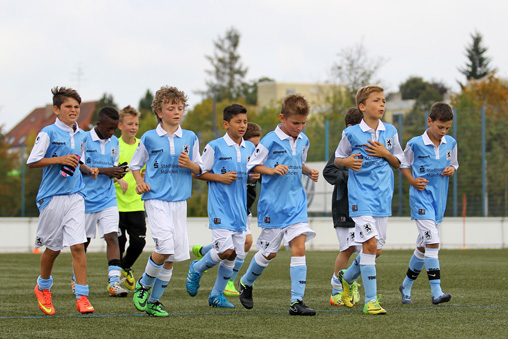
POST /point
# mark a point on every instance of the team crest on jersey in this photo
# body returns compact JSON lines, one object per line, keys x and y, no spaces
{"x":389,"y":143}
{"x":367,"y":228}
{"x":421,"y":211}
{"x":267,"y":220}
{"x":448,"y":155}
{"x":216,"y":221}
{"x":354,"y":208}
{"x":186,"y":149}
{"x":113,"y":152}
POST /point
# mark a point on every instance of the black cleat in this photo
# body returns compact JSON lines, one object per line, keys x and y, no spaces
{"x":299,"y":308}
{"x":442,"y":299}
{"x":245,"y":293}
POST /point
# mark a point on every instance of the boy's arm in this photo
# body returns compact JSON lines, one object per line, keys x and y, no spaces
{"x":375,"y":148}
{"x":418,"y":183}
{"x":454,"y":164}
{"x":311,"y":173}
{"x":92,"y":172}
{"x":112,"y":172}
{"x":343,"y":156}
{"x":141,"y":185}
{"x":68,"y":160}
{"x":279,"y":169}
{"x":185,"y":161}
{"x":226,"y":178}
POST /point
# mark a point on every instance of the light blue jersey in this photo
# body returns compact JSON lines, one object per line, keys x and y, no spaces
{"x":57,"y":140}
{"x":282,"y":201}
{"x":227,"y":203}
{"x":160,"y":151}
{"x":371,"y":188}
{"x":100,"y":193}
{"x":429,"y":161}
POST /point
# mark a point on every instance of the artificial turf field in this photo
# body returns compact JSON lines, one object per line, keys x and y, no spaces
{"x":476,"y":279}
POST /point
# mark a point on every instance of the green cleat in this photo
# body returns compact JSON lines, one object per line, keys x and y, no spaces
{"x":196,"y":249}
{"x":140,"y":296}
{"x":346,"y":289}
{"x":230,"y":289}
{"x":129,"y":281}
{"x":355,"y":293}
{"x":336,"y":299}
{"x":373,"y":307}
{"x":155,"y":309}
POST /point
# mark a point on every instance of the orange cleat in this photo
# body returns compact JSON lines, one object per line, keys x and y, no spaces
{"x":83,"y":305}
{"x":44,"y":300}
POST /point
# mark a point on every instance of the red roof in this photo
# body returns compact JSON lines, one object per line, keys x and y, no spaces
{"x":44,"y":116}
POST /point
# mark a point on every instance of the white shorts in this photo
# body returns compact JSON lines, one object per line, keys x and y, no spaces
{"x":223,"y":240}
{"x":428,"y":232}
{"x":62,"y":222}
{"x":270,"y":239}
{"x":168,"y":224}
{"x":106,"y":220}
{"x":346,"y":237}
{"x":367,"y":227}
{"x":249,"y":218}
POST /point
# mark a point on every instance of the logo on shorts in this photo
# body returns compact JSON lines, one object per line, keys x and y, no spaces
{"x":355,"y":208}
{"x":216,"y":221}
{"x":186,"y":149}
{"x":352,"y":236}
{"x":267,"y":220}
{"x":38,"y":242}
{"x":216,"y":246}
{"x":448,"y":155}
{"x":389,"y":143}
{"x":264,"y":244}
{"x":367,"y":228}
{"x":155,"y":164}
{"x":156,"y":241}
{"x":361,"y":234}
{"x":421,"y":211}
{"x":428,"y":235}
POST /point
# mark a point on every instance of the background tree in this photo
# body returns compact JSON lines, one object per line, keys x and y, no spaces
{"x":250,"y":90}
{"x":477,"y":66}
{"x":106,"y":100}
{"x":147,"y":120}
{"x":227,"y":73}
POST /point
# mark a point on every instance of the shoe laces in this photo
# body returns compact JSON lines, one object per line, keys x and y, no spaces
{"x":46,"y":295}
{"x":157,"y":304}
{"x":84,"y":301}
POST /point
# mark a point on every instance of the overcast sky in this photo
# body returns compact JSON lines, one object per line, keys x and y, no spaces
{"x":126,"y":47}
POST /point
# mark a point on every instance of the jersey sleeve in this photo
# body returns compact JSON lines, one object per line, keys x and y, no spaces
{"x":454,"y":162}
{"x":117,"y":152}
{"x":258,"y":157}
{"x":409,"y":156}
{"x":196,"y":157}
{"x":397,"y":149}
{"x":139,"y":158}
{"x":207,"y":158}
{"x":344,"y":148}
{"x":40,"y":148}
{"x":305,"y":150}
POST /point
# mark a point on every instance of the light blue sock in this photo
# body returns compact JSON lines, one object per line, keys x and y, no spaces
{"x":160,"y":284}
{"x":223,"y":275}
{"x":238,"y":265}
{"x":353,"y":271}
{"x":206,"y":263}
{"x":433,"y":271}
{"x":415,"y":267}
{"x":298,"y":281}
{"x":113,"y":278}
{"x":254,"y":270}
{"x":205,"y":249}
{"x":369,"y":278}
{"x":80,"y":290}
{"x":45,"y":284}
{"x":336,"y":283}
{"x":151,"y":271}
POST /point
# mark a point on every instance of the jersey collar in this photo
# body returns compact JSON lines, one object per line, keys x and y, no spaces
{"x":366,"y":128}
{"x":427,"y":141}
{"x":66,"y":128}
{"x":283,"y":136}
{"x":162,"y":132}
{"x":230,"y":141}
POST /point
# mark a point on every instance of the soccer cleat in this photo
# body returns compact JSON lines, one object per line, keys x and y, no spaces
{"x":219,"y":301}
{"x":230,"y":289}
{"x":299,"y":308}
{"x":245,"y":293}
{"x":346,"y":289}
{"x":196,"y":250}
{"x":83,"y":305}
{"x":442,"y":299}
{"x":373,"y":307}
{"x":44,"y":300}
{"x":336,"y":299}
{"x":140,"y":296}
{"x":406,"y":299}
{"x":355,"y":293}
{"x":155,"y":309}
{"x":192,"y":283}
{"x":129,"y":281}
{"x":115,"y":290}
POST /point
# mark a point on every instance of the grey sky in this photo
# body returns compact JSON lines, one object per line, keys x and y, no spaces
{"x":127,"y":47}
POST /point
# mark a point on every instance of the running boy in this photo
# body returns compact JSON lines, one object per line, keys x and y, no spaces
{"x":101,"y":209}
{"x":60,"y":197}
{"x":282,"y":207}
{"x":433,"y":159}
{"x":368,"y":150}
{"x":253,"y":134}
{"x":130,"y":205}
{"x":171,"y":154}
{"x":225,"y":167}
{"x":342,"y":222}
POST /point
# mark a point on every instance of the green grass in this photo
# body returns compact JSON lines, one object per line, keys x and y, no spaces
{"x":477,"y":280}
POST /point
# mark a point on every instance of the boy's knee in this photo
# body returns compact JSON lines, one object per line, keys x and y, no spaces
{"x":270,"y":256}
{"x":228,"y":254}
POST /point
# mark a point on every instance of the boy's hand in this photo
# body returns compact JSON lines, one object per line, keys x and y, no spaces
{"x":142,"y":188}
{"x":116,"y":172}
{"x":123,"y":185}
{"x":94,"y":172}
{"x":419,"y":183}
{"x":352,"y":162}
{"x":314,"y":175}
{"x":228,"y":178}
{"x":69,"y":160}
{"x":448,"y":171}
{"x":184,"y":160}
{"x":375,"y":148}
{"x":253,"y":177}
{"x":280,"y":170}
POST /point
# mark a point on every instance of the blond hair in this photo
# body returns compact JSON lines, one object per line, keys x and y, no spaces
{"x":169,"y":95}
{"x":295,"y":104}
{"x":128,"y":110}
{"x":364,"y":92}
